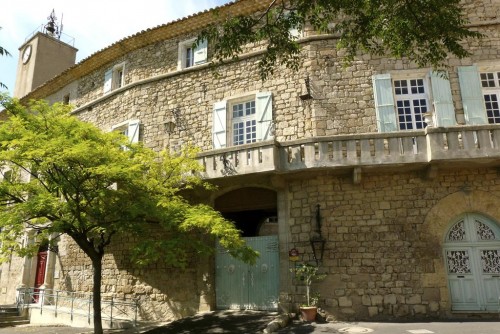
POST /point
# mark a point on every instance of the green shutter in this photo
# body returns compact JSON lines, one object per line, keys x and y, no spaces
{"x":108,"y":79}
{"x":442,"y":101}
{"x":384,"y":103}
{"x":219,"y":124}
{"x":200,"y":53}
{"x":264,"y":114}
{"x":133,"y":131}
{"x":472,"y":95}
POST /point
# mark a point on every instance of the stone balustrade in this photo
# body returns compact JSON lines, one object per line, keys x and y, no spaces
{"x":452,"y":144}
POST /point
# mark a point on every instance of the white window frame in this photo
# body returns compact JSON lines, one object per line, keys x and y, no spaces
{"x":198,"y":55}
{"x":492,"y":107}
{"x":416,"y":119}
{"x":242,"y":119}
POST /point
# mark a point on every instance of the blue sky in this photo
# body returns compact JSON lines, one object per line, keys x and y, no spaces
{"x":94,"y":24}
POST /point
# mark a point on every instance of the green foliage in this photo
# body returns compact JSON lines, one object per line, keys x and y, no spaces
{"x":65,"y":176}
{"x":309,"y":273}
{"x":424,"y":32}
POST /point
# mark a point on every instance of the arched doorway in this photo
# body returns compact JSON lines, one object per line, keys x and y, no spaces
{"x":238,"y":285}
{"x":472,"y":255}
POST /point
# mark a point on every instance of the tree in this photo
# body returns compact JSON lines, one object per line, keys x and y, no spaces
{"x":424,"y":32}
{"x":3,"y":52}
{"x":65,"y":176}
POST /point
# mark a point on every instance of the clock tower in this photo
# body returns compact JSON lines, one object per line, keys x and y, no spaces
{"x":42,"y":57}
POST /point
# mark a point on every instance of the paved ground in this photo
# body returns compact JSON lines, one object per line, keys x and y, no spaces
{"x":249,"y":322}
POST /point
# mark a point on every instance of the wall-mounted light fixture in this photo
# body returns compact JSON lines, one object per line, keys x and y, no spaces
{"x":169,"y":126}
{"x":317,"y":241}
{"x":171,"y":120}
{"x":307,"y":94}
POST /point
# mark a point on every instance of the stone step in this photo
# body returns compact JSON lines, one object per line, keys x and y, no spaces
{"x":11,"y":323}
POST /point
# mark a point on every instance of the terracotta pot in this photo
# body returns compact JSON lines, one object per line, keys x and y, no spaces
{"x":308,"y":313}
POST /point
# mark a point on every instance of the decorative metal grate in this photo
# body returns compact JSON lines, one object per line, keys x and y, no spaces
{"x":457,"y":232}
{"x":484,"y":232}
{"x":458,"y":262}
{"x":490,"y":261}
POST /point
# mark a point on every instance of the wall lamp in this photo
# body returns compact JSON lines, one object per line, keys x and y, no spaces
{"x":317,"y":241}
{"x":171,"y":120}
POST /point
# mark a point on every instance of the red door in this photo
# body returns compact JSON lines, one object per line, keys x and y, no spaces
{"x":40,"y":273}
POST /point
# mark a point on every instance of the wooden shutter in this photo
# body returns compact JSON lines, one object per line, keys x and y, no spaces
{"x":108,"y":79}
{"x":472,"y":95}
{"x":264,"y":114}
{"x":219,"y":124}
{"x":200,"y":53}
{"x":133,"y":131}
{"x":384,"y":103}
{"x":442,"y":101}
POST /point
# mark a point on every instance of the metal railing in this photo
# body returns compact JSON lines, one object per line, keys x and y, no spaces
{"x":77,"y":304}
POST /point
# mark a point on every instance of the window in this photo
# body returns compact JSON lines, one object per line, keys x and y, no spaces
{"x":249,"y":119}
{"x":244,"y":123}
{"x":490,"y":82}
{"x":411,"y":103}
{"x":190,"y":56}
{"x":401,"y":102}
{"x":130,"y":129}
{"x":114,"y":78}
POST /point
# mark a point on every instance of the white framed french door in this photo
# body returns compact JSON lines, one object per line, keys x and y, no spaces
{"x":472,"y":255}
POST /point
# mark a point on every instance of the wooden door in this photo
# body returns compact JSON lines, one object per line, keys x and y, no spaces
{"x":41,"y":264}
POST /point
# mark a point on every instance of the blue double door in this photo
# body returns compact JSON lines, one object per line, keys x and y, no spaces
{"x":242,"y":286}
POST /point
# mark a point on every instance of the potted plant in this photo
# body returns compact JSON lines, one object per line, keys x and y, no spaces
{"x":309,"y":273}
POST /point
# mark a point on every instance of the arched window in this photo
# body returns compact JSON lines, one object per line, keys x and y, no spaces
{"x":472,"y":255}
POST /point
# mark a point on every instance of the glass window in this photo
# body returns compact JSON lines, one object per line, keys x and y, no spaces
{"x":411,"y":103}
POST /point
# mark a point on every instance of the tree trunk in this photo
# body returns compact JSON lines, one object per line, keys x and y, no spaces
{"x":96,"y":292}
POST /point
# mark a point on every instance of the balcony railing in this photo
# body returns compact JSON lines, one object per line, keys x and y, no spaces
{"x":479,"y":143}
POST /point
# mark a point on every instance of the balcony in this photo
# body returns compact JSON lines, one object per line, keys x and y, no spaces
{"x":465,"y":145}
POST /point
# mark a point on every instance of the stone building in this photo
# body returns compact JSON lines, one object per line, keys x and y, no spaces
{"x":393,"y":166}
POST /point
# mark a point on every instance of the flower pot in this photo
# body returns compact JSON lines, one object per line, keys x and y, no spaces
{"x":308,"y":313}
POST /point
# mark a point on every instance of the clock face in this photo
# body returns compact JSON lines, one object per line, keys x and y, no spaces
{"x":26,"y":54}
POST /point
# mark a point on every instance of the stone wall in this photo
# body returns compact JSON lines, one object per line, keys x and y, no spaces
{"x":383,"y":254}
{"x":164,"y":292}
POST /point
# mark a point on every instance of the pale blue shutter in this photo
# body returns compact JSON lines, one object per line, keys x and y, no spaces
{"x":264,"y":114}
{"x":472,"y":95}
{"x":108,"y":79}
{"x":442,"y":101}
{"x":219,"y":124}
{"x":133,"y":131}
{"x":384,"y":103}
{"x":200,"y":53}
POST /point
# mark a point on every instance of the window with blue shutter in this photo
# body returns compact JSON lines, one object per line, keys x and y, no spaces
{"x":442,"y":100}
{"x":472,"y":95}
{"x":248,"y":120}
{"x":384,"y":103}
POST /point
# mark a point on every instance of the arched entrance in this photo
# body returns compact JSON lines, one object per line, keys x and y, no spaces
{"x":472,"y":255}
{"x":238,"y":285}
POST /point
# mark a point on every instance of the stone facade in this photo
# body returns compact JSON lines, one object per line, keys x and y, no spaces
{"x":385,"y":231}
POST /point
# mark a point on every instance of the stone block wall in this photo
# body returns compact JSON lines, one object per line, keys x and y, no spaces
{"x":384,"y":255}
{"x":164,"y":292}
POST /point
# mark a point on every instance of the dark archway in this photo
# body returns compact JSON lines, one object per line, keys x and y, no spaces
{"x":249,"y":208}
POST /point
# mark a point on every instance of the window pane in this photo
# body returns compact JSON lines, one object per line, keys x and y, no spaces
{"x":487,"y":79}
{"x":492,"y":108}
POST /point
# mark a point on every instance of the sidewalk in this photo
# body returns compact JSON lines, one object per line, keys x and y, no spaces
{"x":249,"y":322}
